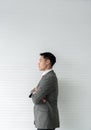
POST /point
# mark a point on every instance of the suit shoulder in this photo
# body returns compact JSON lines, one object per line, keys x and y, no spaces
{"x":51,"y":75}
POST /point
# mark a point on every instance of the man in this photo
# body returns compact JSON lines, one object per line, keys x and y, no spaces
{"x":44,"y":95}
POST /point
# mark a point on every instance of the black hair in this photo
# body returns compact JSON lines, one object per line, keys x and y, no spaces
{"x":50,"y":56}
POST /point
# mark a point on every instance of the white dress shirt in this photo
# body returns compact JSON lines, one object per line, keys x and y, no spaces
{"x":46,"y":71}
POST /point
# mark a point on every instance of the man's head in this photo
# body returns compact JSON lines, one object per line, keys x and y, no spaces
{"x":46,"y":61}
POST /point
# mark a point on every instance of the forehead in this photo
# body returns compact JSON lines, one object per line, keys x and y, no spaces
{"x":41,"y":58}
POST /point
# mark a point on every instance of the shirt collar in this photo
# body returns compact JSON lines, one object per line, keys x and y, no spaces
{"x":46,"y":71}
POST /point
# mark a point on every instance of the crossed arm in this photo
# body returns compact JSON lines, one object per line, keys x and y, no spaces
{"x":39,"y":93}
{"x":35,"y":91}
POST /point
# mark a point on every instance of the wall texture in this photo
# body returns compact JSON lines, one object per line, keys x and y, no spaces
{"x":29,"y":27}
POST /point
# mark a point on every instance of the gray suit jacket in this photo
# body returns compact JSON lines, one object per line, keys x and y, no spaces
{"x":46,"y":114}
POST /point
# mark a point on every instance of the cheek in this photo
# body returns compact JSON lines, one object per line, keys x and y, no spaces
{"x":42,"y":64}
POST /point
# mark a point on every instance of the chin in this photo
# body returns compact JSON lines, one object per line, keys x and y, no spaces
{"x":41,"y":69}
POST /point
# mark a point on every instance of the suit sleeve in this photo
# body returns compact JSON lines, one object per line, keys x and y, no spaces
{"x":30,"y":95}
{"x":45,"y":87}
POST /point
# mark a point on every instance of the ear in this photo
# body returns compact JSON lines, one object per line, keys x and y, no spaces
{"x":47,"y":61}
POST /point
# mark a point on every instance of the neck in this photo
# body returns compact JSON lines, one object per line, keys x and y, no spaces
{"x":47,"y":69}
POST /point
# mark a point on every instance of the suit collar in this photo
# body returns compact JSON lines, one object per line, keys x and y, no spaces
{"x":47,"y":71}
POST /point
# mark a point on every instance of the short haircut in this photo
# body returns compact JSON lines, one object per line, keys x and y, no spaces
{"x":50,"y":56}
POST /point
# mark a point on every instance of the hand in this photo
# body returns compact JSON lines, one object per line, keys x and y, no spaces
{"x":36,"y":89}
{"x":44,"y":100}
